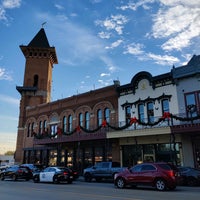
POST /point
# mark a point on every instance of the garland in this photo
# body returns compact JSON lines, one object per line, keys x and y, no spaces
{"x":105,"y":124}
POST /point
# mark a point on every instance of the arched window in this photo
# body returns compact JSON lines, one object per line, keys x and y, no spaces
{"x":40,"y":127}
{"x":32,"y":127}
{"x":141,"y":112}
{"x":45,"y":126}
{"x":87,"y":120}
{"x":165,"y":106}
{"x":107,"y":115}
{"x":69,"y":123}
{"x":35,"y":83}
{"x":80,"y":119}
{"x":29,"y":130}
{"x":99,"y":117}
{"x":128,"y":114}
{"x":64,"y":125}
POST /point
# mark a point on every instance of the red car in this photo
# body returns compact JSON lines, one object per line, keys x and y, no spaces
{"x":159,"y":175}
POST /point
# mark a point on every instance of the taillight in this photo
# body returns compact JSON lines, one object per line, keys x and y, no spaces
{"x":20,"y":171}
{"x":171,"y":173}
{"x":65,"y":173}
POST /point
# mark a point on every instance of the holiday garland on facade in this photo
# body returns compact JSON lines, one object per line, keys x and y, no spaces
{"x":105,"y":124}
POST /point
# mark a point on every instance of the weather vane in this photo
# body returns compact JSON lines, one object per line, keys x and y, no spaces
{"x":43,"y":24}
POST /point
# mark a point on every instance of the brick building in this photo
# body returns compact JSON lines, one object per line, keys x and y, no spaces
{"x":70,"y":131}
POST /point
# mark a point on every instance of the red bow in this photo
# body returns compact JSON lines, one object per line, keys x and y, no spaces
{"x":104,"y":123}
{"x":78,"y":129}
{"x":166,"y":115}
{"x":59,"y":131}
{"x":133,"y":120}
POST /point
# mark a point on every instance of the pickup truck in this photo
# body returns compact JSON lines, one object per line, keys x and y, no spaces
{"x":102,"y":170}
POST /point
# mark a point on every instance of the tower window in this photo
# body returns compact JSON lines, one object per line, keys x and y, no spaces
{"x":35,"y":84}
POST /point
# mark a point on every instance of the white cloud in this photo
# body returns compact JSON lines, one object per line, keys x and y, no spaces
{"x":10,"y":4}
{"x":5,"y":75}
{"x":104,"y":74}
{"x":163,"y":60}
{"x":104,"y":82}
{"x":134,"y":49}
{"x":134,"y":6}
{"x":178,"y":22}
{"x":109,"y":63}
{"x":115,"y":22}
{"x":104,"y":35}
{"x":2,"y":14}
{"x":59,"y":7}
{"x":114,"y":44}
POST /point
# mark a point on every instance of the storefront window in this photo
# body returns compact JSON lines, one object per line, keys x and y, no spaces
{"x":88,"y":157}
{"x":70,"y":158}
{"x":133,"y":154}
{"x":98,"y":154}
{"x":53,"y":157}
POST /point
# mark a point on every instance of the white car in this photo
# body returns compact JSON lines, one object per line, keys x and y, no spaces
{"x":54,"y":174}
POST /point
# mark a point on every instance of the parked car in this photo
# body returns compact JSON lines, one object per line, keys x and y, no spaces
{"x":54,"y":174}
{"x":33,"y":167}
{"x":3,"y":167}
{"x":75,"y":174}
{"x":16,"y":172}
{"x":102,"y":170}
{"x":158,"y":175}
{"x":191,"y":176}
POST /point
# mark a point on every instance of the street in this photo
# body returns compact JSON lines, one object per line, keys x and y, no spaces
{"x":80,"y":190}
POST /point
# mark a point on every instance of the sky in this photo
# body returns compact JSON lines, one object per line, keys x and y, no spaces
{"x":96,"y":41}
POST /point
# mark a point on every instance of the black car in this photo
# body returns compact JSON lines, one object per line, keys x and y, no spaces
{"x":33,"y":167}
{"x":16,"y":172}
{"x":190,"y":176}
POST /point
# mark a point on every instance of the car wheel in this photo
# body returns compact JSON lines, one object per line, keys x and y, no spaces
{"x":2,"y":177}
{"x":88,"y":177}
{"x":191,"y":181}
{"x":160,"y":185}
{"x":14,"y":177}
{"x":55,"y":179}
{"x":120,"y":183}
{"x":36,"y":179}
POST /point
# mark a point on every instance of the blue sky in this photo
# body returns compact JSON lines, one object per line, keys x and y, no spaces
{"x":97,"y":41}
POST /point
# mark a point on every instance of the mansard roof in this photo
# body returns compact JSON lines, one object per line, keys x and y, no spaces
{"x":190,"y":69}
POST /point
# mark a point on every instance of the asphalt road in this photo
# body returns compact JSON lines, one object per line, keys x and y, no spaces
{"x":80,"y":190}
